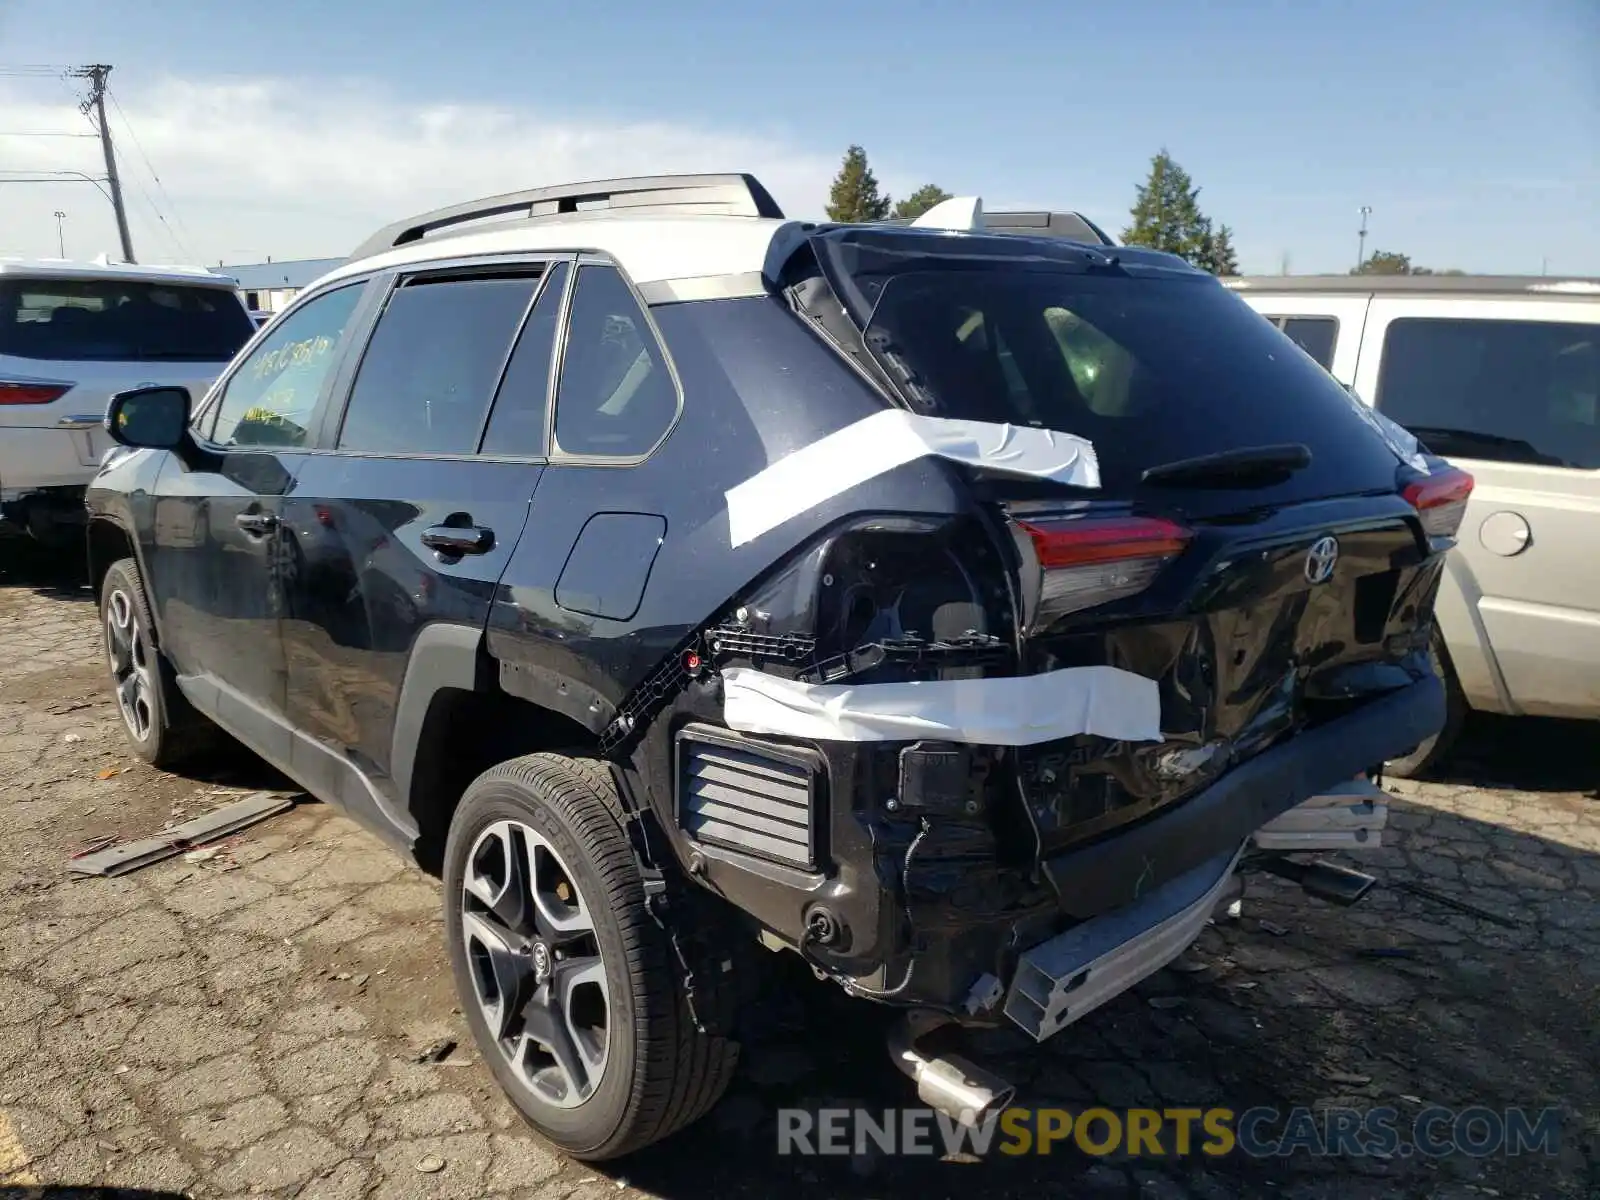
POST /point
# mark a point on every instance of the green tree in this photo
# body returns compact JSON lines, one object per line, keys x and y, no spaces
{"x":1166,"y":216}
{"x":920,"y":201}
{"x":854,"y":195}
{"x":1218,"y":257}
{"x":1388,"y":262}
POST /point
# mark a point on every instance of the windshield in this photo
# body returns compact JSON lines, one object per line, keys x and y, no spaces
{"x":117,"y":320}
{"x":1152,"y":370}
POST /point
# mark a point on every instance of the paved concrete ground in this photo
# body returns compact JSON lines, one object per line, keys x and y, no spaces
{"x":250,"y":1025}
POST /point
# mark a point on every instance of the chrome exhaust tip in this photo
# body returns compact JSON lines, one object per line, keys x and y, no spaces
{"x":947,"y":1083}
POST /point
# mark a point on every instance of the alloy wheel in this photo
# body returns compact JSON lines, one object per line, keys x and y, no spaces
{"x":132,"y":664}
{"x":534,"y":960}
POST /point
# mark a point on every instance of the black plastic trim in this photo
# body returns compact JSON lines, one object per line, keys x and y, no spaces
{"x":1110,"y":873}
{"x":442,"y":656}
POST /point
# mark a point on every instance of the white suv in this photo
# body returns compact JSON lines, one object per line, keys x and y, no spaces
{"x":71,"y":335}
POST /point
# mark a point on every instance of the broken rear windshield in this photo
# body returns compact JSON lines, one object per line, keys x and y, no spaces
{"x":120,"y":321}
{"x":1151,"y":367}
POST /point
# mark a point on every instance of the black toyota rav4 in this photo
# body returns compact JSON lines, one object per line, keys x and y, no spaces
{"x":953,"y":609}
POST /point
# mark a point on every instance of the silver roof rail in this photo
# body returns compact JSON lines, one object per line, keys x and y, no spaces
{"x":739,"y":195}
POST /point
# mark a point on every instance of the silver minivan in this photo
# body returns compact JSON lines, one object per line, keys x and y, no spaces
{"x":1502,"y":375}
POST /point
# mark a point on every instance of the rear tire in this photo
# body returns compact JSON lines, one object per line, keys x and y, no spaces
{"x":161,"y":726}
{"x":547,"y":930}
{"x":1434,"y":752}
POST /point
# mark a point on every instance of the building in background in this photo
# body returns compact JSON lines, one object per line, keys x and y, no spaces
{"x":268,"y":287}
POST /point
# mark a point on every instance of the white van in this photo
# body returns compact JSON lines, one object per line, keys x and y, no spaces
{"x":1501,"y":374}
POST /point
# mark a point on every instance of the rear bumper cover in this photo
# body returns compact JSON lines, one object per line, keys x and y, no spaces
{"x":1106,"y":875}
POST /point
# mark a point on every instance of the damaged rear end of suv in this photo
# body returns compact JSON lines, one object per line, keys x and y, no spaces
{"x":998,"y":762}
{"x":955,"y":611}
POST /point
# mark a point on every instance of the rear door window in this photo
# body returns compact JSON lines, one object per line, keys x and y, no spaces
{"x":114,"y":320}
{"x":521,"y":406}
{"x":1507,"y":391}
{"x":1150,"y":369}
{"x":432,"y":364}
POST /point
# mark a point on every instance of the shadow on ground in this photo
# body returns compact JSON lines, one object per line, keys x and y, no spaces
{"x":58,"y":573}
{"x":64,"y":1192}
{"x":1530,"y":754}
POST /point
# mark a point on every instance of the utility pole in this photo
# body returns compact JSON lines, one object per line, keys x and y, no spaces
{"x":1361,"y":238}
{"x":97,"y":75}
{"x":61,"y":237}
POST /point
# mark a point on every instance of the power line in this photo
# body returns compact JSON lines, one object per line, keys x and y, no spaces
{"x":161,"y":187}
{"x":42,"y":133}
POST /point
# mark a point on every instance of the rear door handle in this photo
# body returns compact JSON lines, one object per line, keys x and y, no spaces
{"x":458,"y":539}
{"x":258,"y":524}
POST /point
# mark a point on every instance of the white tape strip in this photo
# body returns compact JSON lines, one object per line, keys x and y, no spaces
{"x":1020,"y":711}
{"x":885,"y":440}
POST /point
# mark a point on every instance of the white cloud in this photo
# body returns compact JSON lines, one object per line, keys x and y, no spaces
{"x":308,"y":169}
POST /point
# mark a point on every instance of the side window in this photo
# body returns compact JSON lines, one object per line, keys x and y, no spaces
{"x":516,"y":426}
{"x":616,"y":396}
{"x":1315,"y":335}
{"x":269,"y":400}
{"x":1508,"y":391}
{"x":427,"y":375}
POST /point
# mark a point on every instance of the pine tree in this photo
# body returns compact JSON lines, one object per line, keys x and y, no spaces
{"x":855,"y":195}
{"x":920,"y":201}
{"x":1219,"y":257}
{"x":1166,"y":216}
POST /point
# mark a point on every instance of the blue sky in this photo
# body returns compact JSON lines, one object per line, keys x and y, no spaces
{"x":1471,"y":128}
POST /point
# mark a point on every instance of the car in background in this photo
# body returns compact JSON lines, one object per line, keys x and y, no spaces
{"x":1502,"y":375}
{"x":72,"y":335}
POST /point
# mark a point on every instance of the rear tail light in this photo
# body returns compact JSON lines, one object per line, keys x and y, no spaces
{"x":22,"y":392}
{"x":1078,"y":564}
{"x":1441,"y":500}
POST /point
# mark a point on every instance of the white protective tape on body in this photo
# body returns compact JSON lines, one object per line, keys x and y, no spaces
{"x":1020,"y":711}
{"x":879,"y":443}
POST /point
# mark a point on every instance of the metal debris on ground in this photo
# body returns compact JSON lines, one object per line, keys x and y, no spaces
{"x":437,"y":1052}
{"x":94,"y":844}
{"x":430,"y":1164}
{"x":210,"y":827}
{"x":1460,"y":906}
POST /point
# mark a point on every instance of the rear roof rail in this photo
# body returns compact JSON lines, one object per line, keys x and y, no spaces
{"x":740,"y":195}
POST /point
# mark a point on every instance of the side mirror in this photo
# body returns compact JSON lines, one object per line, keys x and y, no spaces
{"x":149,"y":418}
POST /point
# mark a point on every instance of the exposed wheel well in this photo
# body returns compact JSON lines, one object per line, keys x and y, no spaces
{"x":464,"y":734}
{"x":108,"y":542}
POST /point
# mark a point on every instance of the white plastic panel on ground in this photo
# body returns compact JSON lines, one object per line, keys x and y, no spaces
{"x":1351,"y":816}
{"x":1064,"y":979}
{"x":878,"y":444}
{"x":1022,"y":710}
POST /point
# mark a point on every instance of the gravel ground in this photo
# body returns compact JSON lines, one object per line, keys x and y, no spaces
{"x":251,"y":1024}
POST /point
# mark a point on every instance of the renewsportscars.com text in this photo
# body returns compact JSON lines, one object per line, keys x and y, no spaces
{"x":1383,"y":1132}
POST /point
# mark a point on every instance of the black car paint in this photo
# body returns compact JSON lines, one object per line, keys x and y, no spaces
{"x":351,"y":637}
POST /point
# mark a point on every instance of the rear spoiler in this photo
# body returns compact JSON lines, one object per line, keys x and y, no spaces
{"x":966,"y":213}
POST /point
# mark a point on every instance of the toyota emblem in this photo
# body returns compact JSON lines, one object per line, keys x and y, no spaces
{"x":1321,"y":559}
